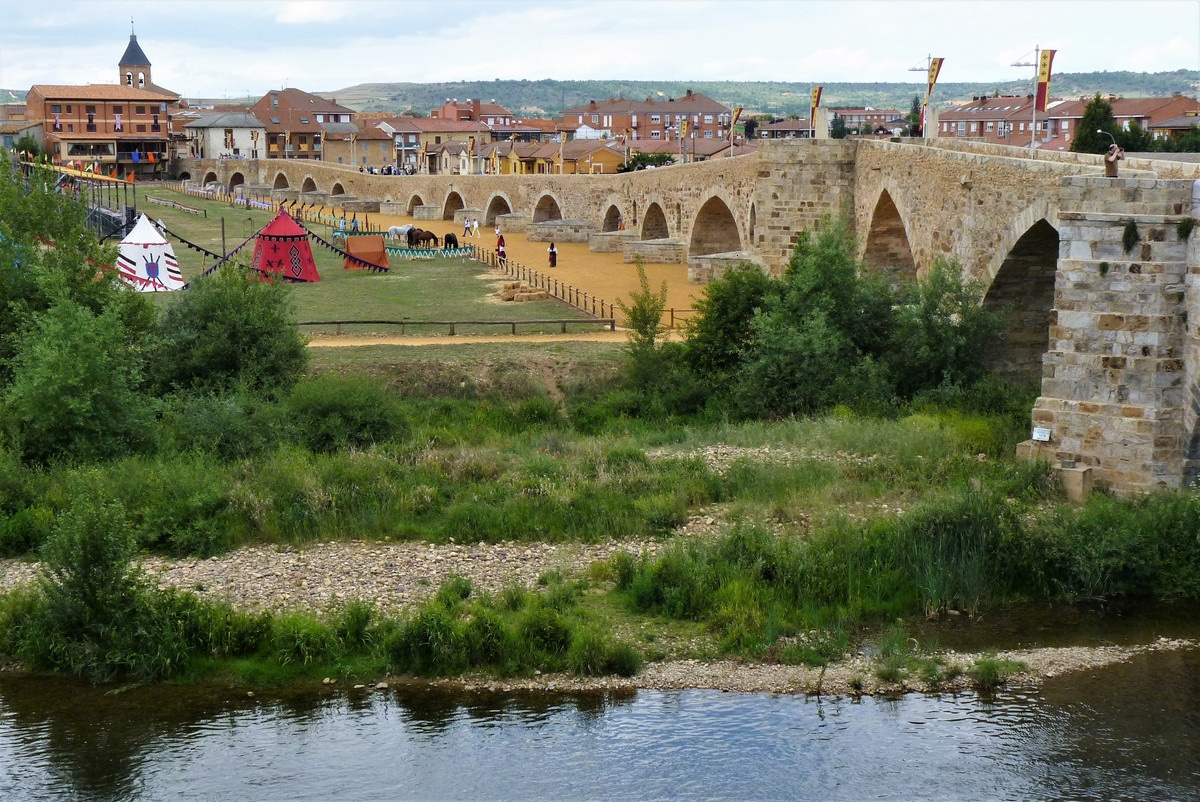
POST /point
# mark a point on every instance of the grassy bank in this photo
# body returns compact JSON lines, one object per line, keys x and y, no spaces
{"x":834,"y":528}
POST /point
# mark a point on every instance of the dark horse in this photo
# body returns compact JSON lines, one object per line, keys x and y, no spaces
{"x":449,"y":241}
{"x":420,"y":237}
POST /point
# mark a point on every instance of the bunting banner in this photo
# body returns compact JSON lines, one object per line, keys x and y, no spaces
{"x":1043,"y":85}
{"x":117,"y":121}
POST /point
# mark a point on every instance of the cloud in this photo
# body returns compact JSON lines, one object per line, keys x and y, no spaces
{"x":307,"y":12}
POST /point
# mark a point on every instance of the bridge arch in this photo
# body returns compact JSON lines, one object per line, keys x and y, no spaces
{"x":714,"y":230}
{"x":547,"y":208}
{"x":236,"y":180}
{"x":612,"y":219}
{"x":654,"y":223}
{"x":497,"y":206}
{"x":888,"y":249}
{"x":185,"y":176}
{"x":281,"y":181}
{"x":413,"y":203}
{"x":1022,"y":293}
{"x":209,"y":178}
{"x":452,"y":204}
{"x":337,"y":189}
{"x":309,"y":184}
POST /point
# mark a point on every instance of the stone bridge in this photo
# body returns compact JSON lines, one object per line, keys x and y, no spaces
{"x":1092,"y":276}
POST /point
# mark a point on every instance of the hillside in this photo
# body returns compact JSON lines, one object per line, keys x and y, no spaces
{"x":546,"y":98}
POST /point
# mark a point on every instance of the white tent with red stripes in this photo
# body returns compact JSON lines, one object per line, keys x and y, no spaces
{"x":146,"y":261}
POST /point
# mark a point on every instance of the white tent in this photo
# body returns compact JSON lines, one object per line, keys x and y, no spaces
{"x":146,"y":260}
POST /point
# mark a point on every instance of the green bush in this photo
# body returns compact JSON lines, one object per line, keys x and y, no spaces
{"x":229,"y":331}
{"x":329,"y":413}
{"x":230,"y":426}
{"x":74,"y":393}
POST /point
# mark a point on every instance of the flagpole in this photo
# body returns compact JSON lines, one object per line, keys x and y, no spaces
{"x":1036,"y":63}
{"x":928,"y":67}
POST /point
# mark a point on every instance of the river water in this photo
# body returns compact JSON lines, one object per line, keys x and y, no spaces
{"x":1130,"y":731}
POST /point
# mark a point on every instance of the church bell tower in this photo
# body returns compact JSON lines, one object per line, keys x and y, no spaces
{"x":134,"y":66}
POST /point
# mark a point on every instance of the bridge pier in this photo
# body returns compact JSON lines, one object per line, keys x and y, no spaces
{"x":1119,"y":379}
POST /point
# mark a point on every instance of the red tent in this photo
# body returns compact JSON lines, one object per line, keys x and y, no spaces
{"x":282,"y":248}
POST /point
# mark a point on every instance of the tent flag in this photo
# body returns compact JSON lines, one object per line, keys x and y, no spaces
{"x":150,"y":156}
{"x":1043,"y":86}
{"x":137,"y":157}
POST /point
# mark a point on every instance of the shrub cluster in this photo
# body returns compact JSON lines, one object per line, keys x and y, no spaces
{"x":824,"y":333}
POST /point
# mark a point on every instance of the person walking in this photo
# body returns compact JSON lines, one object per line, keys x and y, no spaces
{"x":466,"y":227}
{"x":553,"y":255}
{"x":475,"y":227}
{"x":500,"y":253}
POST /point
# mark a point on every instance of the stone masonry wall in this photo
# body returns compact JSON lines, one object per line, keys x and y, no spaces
{"x":1114,"y":378}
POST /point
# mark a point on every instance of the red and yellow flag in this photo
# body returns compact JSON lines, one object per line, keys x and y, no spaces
{"x":736,"y":113}
{"x":815,"y":104}
{"x":935,"y":67}
{"x":1043,"y":85}
{"x":683,"y":128}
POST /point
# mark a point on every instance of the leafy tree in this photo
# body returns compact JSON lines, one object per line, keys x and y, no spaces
{"x":837,"y":128}
{"x":74,"y":392}
{"x":1097,"y":116}
{"x":47,"y":255}
{"x":914,"y":117}
{"x":940,"y":333}
{"x":640,"y":161}
{"x":721,"y":332}
{"x":27,"y":144}
{"x":1135,"y":138}
{"x":229,"y":330}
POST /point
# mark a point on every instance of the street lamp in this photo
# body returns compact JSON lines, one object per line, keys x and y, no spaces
{"x":1036,"y":57}
{"x":1107,"y":134}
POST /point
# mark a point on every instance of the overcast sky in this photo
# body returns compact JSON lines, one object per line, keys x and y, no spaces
{"x":226,"y":48}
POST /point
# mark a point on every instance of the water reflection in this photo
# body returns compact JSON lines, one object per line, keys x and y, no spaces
{"x":1130,"y":731}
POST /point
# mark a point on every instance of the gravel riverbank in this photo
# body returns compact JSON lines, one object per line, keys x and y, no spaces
{"x":396,"y":576}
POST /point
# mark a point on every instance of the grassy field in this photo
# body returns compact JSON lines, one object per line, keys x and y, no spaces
{"x":439,"y":289}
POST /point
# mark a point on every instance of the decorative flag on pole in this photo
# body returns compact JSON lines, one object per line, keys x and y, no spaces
{"x":683,"y":129}
{"x":736,"y":114}
{"x":935,"y":67}
{"x":812,"y":109}
{"x":1043,"y":85}
{"x":117,"y":125}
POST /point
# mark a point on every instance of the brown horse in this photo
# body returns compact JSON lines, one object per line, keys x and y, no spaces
{"x":421,"y":238}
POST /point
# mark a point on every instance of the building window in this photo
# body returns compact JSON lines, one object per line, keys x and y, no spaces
{"x":974,"y":127}
{"x":89,"y":109}
{"x":656,"y":134}
{"x":962,"y":129}
{"x":437,"y":140}
{"x":1066,"y":125}
{"x":595,"y":118}
{"x":56,"y":109}
{"x":988,"y":127}
{"x":139,"y":110}
{"x":708,"y":119}
{"x":708,"y":133}
{"x":68,"y":108}
{"x":70,"y":128}
{"x":654,"y":119}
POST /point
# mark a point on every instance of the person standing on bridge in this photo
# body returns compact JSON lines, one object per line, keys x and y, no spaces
{"x":1114,"y":155}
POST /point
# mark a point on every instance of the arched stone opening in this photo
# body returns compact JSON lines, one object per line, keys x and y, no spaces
{"x":654,"y":224}
{"x":309,"y":185}
{"x":338,"y":189}
{"x":281,"y":181}
{"x":210,"y":178}
{"x":497,"y":207}
{"x":1023,"y":295}
{"x":612,"y":219}
{"x":185,"y":176}
{"x":888,"y":250}
{"x":453,"y":203}
{"x":547,"y":209}
{"x":236,"y":180}
{"x":413,"y":203}
{"x":715,"y":230}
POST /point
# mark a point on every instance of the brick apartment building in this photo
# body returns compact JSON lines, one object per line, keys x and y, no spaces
{"x":649,"y":118}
